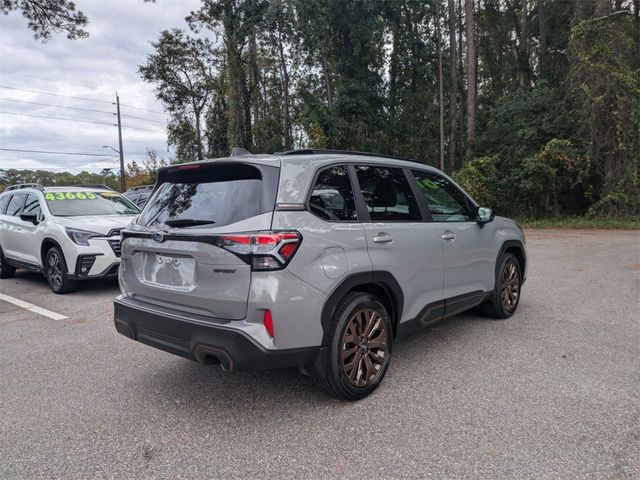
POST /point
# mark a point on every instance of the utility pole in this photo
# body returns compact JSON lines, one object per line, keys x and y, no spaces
{"x":123,"y":183}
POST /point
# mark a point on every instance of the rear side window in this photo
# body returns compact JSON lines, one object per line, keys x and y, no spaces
{"x":332,"y":195}
{"x":15,"y":204}
{"x":3,"y":203}
{"x":215,"y":196}
{"x":387,"y":194}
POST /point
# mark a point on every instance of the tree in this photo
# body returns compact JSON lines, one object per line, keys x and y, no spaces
{"x":440,"y":81}
{"x":471,"y":78}
{"x":182,"y":69}
{"x":49,"y":16}
{"x":453,"y":86}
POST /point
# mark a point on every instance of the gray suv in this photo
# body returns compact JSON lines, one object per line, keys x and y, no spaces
{"x":310,"y":259}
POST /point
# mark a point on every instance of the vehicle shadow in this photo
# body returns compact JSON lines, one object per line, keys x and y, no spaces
{"x":38,"y":279}
{"x":209,"y":390}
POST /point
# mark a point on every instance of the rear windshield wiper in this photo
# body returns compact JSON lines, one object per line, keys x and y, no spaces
{"x":187,"y":222}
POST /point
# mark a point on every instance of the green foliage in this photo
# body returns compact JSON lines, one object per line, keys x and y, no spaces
{"x":581,"y":222}
{"x":12,"y":176}
{"x":558,"y":87}
{"x":49,"y":16}
{"x":479,"y":177}
{"x":605,"y":88}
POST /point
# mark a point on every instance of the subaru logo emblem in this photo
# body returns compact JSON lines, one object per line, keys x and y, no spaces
{"x":158,"y":237}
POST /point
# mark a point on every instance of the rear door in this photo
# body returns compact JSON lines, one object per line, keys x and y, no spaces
{"x":12,"y":234}
{"x":180,"y":251}
{"x":400,"y":240}
{"x":31,"y":235}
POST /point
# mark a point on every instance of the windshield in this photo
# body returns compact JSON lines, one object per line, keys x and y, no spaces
{"x":75,"y":204}
{"x":213,"y":203}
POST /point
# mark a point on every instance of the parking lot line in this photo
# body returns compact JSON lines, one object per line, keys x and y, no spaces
{"x":32,"y":308}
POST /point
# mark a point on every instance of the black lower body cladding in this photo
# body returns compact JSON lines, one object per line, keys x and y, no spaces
{"x":214,"y":342}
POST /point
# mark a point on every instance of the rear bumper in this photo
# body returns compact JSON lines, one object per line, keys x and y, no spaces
{"x":209,"y":343}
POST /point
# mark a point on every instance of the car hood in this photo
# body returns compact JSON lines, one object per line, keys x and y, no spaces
{"x":97,"y":223}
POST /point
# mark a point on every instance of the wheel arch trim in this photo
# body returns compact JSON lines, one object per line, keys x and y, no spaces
{"x":379,"y":278}
{"x":510,"y":244}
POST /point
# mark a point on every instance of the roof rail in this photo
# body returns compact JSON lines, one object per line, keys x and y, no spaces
{"x":99,"y":186}
{"x":343,"y":152}
{"x":140,"y":187}
{"x":18,"y":186}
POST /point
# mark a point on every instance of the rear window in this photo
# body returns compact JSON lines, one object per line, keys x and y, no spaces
{"x":80,"y":203}
{"x":215,"y":196}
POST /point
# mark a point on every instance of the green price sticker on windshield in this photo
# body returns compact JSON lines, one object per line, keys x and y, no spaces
{"x":426,"y":183}
{"x":53,"y":196}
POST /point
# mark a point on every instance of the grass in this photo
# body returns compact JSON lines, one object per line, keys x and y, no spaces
{"x":581,"y":222}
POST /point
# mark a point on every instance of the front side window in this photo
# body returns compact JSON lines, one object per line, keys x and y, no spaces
{"x":15,"y":204}
{"x":446,"y":202}
{"x":387,"y":194}
{"x":82,"y":203}
{"x":332,"y":195}
{"x":32,"y":205}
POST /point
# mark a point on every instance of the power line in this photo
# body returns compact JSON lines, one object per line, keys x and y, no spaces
{"x":56,"y":94}
{"x":45,"y":79}
{"x":49,"y":152}
{"x":143,"y":109}
{"x":66,"y":119}
{"x":79,"y":98}
{"x":57,"y":106}
{"x":79,"y":109}
{"x":145,"y":119}
{"x":57,"y":118}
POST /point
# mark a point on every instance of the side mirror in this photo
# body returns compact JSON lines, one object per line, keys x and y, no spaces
{"x":484,"y":215}
{"x":29,"y":217}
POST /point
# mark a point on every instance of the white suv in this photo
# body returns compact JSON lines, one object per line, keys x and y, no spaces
{"x":66,"y":233}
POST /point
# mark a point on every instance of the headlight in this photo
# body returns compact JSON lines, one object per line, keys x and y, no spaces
{"x":81,"y":237}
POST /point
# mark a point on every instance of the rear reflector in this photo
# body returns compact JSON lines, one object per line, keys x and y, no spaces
{"x":268,"y":322}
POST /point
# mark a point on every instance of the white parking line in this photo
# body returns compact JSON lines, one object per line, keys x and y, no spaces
{"x":32,"y":308}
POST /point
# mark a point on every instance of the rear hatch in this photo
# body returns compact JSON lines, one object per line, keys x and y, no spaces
{"x":185,"y":251}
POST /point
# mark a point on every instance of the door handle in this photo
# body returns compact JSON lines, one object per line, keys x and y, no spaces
{"x":383,"y":238}
{"x":448,"y":236}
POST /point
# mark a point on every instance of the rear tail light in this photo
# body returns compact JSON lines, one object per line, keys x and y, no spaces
{"x":263,"y":250}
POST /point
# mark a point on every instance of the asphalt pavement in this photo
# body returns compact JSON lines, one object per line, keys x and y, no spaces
{"x":552,"y":393}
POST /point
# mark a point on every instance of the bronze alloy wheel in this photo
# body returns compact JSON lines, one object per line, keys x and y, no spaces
{"x":54,"y":270}
{"x":364,"y":347}
{"x":509,"y":287}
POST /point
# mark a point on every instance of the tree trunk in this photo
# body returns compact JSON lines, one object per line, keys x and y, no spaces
{"x":471,"y":78}
{"x":197,"y":112}
{"x":254,"y":76}
{"x":542,"y":26}
{"x":440,"y":88}
{"x":288,"y":141}
{"x":327,"y":82}
{"x":453,"y":87}
{"x":524,"y":45}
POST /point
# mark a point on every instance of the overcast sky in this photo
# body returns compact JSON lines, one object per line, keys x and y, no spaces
{"x":91,"y":68}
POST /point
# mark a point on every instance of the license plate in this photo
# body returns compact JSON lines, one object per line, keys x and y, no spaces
{"x":176,"y":273}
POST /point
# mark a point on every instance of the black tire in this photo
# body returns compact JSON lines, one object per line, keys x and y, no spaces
{"x":505,"y":297}
{"x":360,"y":317}
{"x":6,"y":270}
{"x":56,"y":273}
